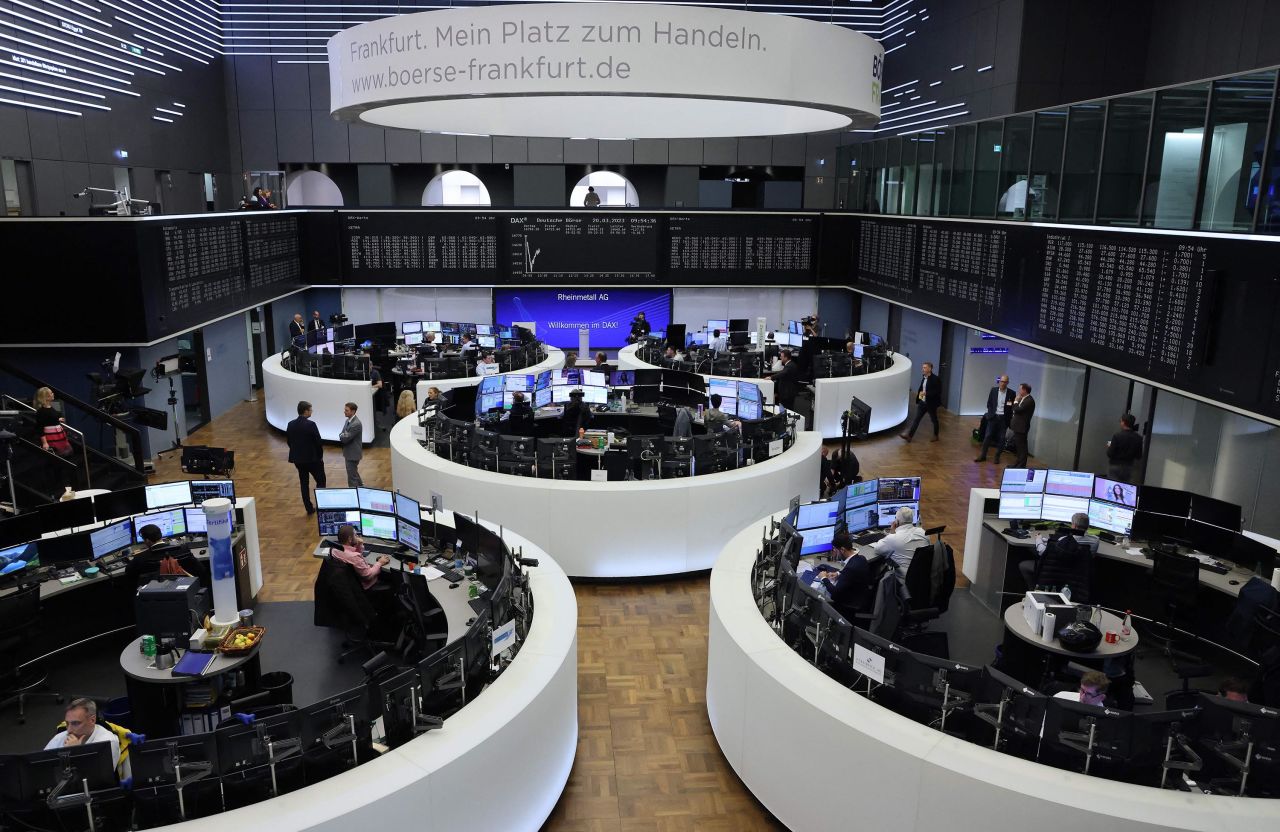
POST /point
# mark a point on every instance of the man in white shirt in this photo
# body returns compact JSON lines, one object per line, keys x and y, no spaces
{"x":719,"y":342}
{"x":83,"y":728}
{"x":903,"y":539}
{"x":468,"y":344}
{"x":487,"y":366}
{"x":1092,"y":691}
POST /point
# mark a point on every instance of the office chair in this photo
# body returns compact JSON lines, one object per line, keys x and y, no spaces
{"x":919,"y":577}
{"x":342,"y":603}
{"x":434,"y":368}
{"x":19,"y":621}
{"x":454,"y":366}
{"x":428,"y":629}
{"x":1175,"y":583}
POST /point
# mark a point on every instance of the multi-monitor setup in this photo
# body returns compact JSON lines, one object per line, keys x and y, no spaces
{"x":117,"y":518}
{"x":486,"y":336}
{"x":1182,"y":518}
{"x":857,"y":508}
{"x":373,"y":512}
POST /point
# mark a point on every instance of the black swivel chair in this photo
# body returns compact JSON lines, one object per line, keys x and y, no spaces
{"x":1175,"y":584}
{"x":341,"y":602}
{"x":19,"y":621}
{"x":428,"y":629}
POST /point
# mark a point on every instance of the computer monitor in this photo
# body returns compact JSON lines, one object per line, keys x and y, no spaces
{"x":594,"y":379}
{"x":197,"y":521}
{"x":246,"y":745}
{"x":721,"y":324}
{"x":1072,"y":727}
{"x":490,"y":384}
{"x":1068,"y":483}
{"x":1164,"y":501}
{"x":1224,"y":722}
{"x":486,"y":402}
{"x":153,"y":763}
{"x":172,"y":523}
{"x":676,"y":336}
{"x":1112,"y":517}
{"x":542,"y":397}
{"x":166,"y":494}
{"x":409,"y":534}
{"x":202,"y":490}
{"x":727,"y":388}
{"x":1114,"y":491}
{"x":20,"y":557}
{"x":110,"y":539}
{"x":411,"y":326}
{"x":337,"y":498}
{"x":739,"y":324}
{"x":1216,"y":512}
{"x":622,"y":378}
{"x":23,"y":528}
{"x":328,"y":722}
{"x":1020,"y":505}
{"x":440,"y":675}
{"x":513,"y":382}
{"x":595,"y":395}
{"x":54,"y":517}
{"x":376,"y":499}
{"x":373,"y":524}
{"x":1023,"y":480}
{"x":1147,"y":525}
{"x":408,"y":509}
{"x":65,"y":548}
{"x":750,"y":409}
{"x":817,"y":539}
{"x":861,"y":493}
{"x":70,"y":767}
{"x":487,"y":342}
{"x":413,"y":339}
{"x":823,"y":513}
{"x":860,"y":518}
{"x":899,"y":489}
{"x":1253,"y":554}
{"x":431,"y":326}
{"x":1060,"y":509}
{"x":560,"y":394}
{"x":329,"y":520}
{"x":1009,"y":706}
{"x":888,"y":512}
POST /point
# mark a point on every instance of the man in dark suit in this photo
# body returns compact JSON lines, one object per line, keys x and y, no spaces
{"x":1124,"y":450}
{"x":145,"y":565}
{"x":298,"y":330}
{"x":928,"y":400}
{"x":1023,"y":408}
{"x":317,"y":322}
{"x":786,"y":382}
{"x":306,"y":452}
{"x":639,"y":328}
{"x":851,"y":589}
{"x":999,"y":412}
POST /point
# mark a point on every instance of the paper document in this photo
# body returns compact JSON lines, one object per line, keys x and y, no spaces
{"x":431,"y":573}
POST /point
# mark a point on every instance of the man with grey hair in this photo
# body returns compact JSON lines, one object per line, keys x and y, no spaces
{"x":903,"y":539}
{"x":83,"y":728}
{"x":1065,"y":559}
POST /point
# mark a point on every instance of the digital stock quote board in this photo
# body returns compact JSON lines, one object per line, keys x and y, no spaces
{"x":1192,"y":312}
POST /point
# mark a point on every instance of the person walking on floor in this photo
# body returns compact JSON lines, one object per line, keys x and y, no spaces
{"x":928,"y":400}
{"x":306,"y":452}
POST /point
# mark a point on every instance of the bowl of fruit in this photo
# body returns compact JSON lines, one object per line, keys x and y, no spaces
{"x":241,"y":640}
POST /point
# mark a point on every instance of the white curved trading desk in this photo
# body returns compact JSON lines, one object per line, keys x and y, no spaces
{"x":553,"y":361}
{"x":821,"y":757}
{"x":500,"y":763}
{"x":613,"y":529}
{"x":888,"y":392}
{"x":283,"y":390}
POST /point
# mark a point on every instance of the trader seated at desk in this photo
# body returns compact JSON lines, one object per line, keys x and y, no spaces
{"x":488,"y":365}
{"x":83,"y":728}
{"x":715,"y":420}
{"x":1092,"y":690}
{"x":520,"y":418}
{"x":1066,"y":559}
{"x":351,"y":552}
{"x":852,"y":588}
{"x":576,"y":415}
{"x":903,"y":539}
{"x":153,"y":560}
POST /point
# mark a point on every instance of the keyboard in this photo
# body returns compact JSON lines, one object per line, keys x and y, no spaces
{"x":868,"y":539}
{"x":381,"y":549}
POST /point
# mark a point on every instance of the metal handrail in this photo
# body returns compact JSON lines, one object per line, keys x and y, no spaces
{"x":84,"y":444}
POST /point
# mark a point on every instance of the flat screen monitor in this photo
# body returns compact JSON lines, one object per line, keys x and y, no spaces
{"x":1215,"y":512}
{"x":54,"y":517}
{"x":197,"y":521}
{"x":726,"y":387}
{"x":413,"y":339}
{"x":337,"y":498}
{"x":202,"y":490}
{"x":65,"y":548}
{"x":560,"y":395}
{"x":899,"y":489}
{"x":431,"y":326}
{"x":750,"y":409}
{"x":1023,"y":480}
{"x":861,"y":493}
{"x":409,"y":509}
{"x":739,"y":324}
{"x":1254,"y":554}
{"x":166,"y":494}
{"x":1114,"y":491}
{"x":542,"y":397}
{"x":593,"y":379}
{"x":22,"y":528}
{"x":729,"y":407}
{"x":411,"y":327}
{"x":1215,"y":541}
{"x":622,"y":378}
{"x":1110,"y":516}
{"x":1147,"y":525}
{"x":888,"y":512}
{"x":346,"y":332}
{"x":112,"y":538}
{"x":721,"y":324}
{"x":675,"y":336}
{"x":749,"y":390}
{"x":1020,"y":505}
{"x":373,"y":524}
{"x":595,"y":395}
{"x":487,"y":342}
{"x":811,"y":516}
{"x":171,"y":522}
{"x":861,"y":518}
{"x":1164,"y":501}
{"x":1059,"y":509}
{"x":1069,"y":483}
{"x":484,"y":329}
{"x":329,"y":520}
{"x":543,"y":380}
{"x":490,"y":384}
{"x":817,"y":540}
{"x":513,"y":382}
{"x":16,"y":558}
{"x":858,"y":350}
{"x":408,"y":534}
{"x":488,"y":401}
{"x":376,"y":499}
{"x":120,"y":503}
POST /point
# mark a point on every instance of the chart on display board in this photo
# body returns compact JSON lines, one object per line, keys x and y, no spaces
{"x":541,"y":248}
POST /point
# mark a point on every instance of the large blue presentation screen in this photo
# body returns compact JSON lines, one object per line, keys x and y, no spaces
{"x":559,"y":313}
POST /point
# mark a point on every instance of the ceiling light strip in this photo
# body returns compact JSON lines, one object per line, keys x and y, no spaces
{"x":51,"y":97}
{"x":65,"y":75}
{"x":201,"y":46}
{"x":49,"y":84}
{"x":73,"y":57}
{"x":113,"y":55}
{"x":182,"y":49}
{"x":39,"y":107}
{"x":210,"y":31}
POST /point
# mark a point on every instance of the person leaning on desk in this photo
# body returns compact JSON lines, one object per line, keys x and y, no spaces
{"x":83,"y":728}
{"x":851,"y":590}
{"x":1065,"y":559}
{"x":153,"y":560}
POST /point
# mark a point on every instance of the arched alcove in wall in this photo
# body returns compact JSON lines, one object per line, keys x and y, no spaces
{"x":455,"y":187}
{"x":614,"y":190}
{"x":312,"y":188}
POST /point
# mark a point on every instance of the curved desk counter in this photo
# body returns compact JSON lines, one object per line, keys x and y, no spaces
{"x":284,"y":389}
{"x":778,"y":719}
{"x":553,"y":361}
{"x":613,"y":529}
{"x":499,"y":763}
{"x":888,"y":392}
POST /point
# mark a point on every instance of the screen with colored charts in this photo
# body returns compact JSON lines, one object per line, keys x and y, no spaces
{"x":818,"y":514}
{"x":750,"y":409}
{"x":1060,"y":509}
{"x":861,"y":518}
{"x":514,"y":381}
{"x":197,"y":521}
{"x":899,"y":489}
{"x":1020,"y":506}
{"x":817,"y":539}
{"x":1069,"y":483}
{"x":726,"y":388}
{"x":375,"y":499}
{"x":542,"y":397}
{"x":1023,"y":480}
{"x":861,"y":493}
{"x":330,"y":520}
{"x":202,"y":490}
{"x":111,"y":538}
{"x":409,"y":535}
{"x":889,"y":511}
{"x":1114,"y":491}
{"x":171,"y":523}
{"x":337,"y":498}
{"x":377,"y":525}
{"x":167,"y":494}
{"x":408,"y":508}
{"x":1109,"y":516}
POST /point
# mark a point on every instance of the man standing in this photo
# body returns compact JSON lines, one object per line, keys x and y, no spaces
{"x":928,"y":400}
{"x":639,"y":328}
{"x":999,"y":411}
{"x":351,"y":440}
{"x":306,"y":452}
{"x":1124,"y":450}
{"x":786,"y":382}
{"x":298,"y":330}
{"x":1020,"y":422}
{"x":83,"y":728}
{"x":317,"y":322}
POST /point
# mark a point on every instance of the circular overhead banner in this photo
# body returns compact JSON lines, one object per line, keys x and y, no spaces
{"x":605,"y":71}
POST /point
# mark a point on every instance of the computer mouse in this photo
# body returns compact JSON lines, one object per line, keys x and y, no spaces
{"x":1234,"y":582}
{"x":453,"y":586}
{"x":92,"y":570}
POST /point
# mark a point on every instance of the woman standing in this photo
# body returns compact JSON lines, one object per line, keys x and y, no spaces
{"x":406,"y":405}
{"x":53,"y":438}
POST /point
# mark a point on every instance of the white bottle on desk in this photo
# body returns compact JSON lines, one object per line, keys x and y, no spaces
{"x":1047,"y":623}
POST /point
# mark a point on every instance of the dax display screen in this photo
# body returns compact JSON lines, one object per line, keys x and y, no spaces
{"x":582,"y":246}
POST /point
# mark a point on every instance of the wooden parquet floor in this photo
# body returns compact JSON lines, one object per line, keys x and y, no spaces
{"x":647,"y":760}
